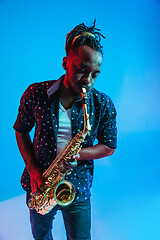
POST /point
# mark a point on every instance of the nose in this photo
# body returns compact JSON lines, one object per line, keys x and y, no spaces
{"x":87,"y":78}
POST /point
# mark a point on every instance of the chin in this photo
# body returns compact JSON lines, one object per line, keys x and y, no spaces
{"x":76,"y":91}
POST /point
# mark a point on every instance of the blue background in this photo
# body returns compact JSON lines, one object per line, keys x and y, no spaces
{"x":126,"y":188}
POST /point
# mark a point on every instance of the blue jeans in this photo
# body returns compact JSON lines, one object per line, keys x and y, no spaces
{"x":77,"y":220}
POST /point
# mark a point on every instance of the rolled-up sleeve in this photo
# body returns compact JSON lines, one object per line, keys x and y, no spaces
{"x":107,"y":130}
{"x":25,"y":119}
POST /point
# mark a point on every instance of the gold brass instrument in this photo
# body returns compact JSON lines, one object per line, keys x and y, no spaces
{"x":57,"y":189}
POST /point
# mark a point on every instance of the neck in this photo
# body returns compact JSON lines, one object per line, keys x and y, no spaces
{"x":65,"y":96}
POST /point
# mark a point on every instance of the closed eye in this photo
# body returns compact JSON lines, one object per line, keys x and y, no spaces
{"x":94,"y":75}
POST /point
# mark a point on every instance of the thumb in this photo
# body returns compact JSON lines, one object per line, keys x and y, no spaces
{"x":77,"y":156}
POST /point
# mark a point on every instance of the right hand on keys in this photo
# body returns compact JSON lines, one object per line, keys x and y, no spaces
{"x":37,"y":185}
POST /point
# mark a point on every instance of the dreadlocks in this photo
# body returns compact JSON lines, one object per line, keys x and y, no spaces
{"x":83,"y":35}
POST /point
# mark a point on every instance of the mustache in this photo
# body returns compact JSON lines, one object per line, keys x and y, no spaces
{"x":84,"y":84}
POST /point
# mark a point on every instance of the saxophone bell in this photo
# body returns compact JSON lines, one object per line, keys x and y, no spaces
{"x":64,"y":193}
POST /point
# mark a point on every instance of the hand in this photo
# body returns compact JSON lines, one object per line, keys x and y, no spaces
{"x":76,"y":157}
{"x":94,"y":152}
{"x":36,"y":180}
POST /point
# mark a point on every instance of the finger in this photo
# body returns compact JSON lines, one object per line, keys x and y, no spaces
{"x":41,"y":187}
{"x":34,"y":187}
{"x":36,"y":194}
{"x":35,"y":190}
{"x":40,"y":184}
{"x":77,"y":156}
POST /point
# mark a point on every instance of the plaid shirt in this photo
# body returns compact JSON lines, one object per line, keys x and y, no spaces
{"x":39,"y":107}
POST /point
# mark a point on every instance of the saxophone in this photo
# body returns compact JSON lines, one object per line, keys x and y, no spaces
{"x":57,"y":190}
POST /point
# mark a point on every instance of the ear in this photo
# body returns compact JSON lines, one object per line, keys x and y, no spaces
{"x":64,"y":63}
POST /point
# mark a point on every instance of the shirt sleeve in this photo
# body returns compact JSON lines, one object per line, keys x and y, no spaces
{"x":107,"y":130}
{"x":25,"y":119}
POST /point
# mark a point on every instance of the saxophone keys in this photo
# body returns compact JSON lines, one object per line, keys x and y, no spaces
{"x":50,"y":179}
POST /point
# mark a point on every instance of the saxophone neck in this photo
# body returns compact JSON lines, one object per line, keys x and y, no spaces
{"x":87,"y":126}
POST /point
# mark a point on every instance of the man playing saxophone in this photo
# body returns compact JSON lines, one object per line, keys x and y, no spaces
{"x":55,"y":109}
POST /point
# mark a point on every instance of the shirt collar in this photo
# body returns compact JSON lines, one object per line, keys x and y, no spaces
{"x":55,"y":86}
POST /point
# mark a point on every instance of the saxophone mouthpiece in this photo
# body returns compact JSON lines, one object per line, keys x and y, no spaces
{"x":83,"y":94}
{"x":86,"y":116}
{"x":83,"y":89}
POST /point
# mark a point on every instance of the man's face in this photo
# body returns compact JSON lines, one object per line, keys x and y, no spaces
{"x":82,"y":69}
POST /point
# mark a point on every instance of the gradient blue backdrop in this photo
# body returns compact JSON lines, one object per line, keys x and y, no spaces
{"x":32,"y":37}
